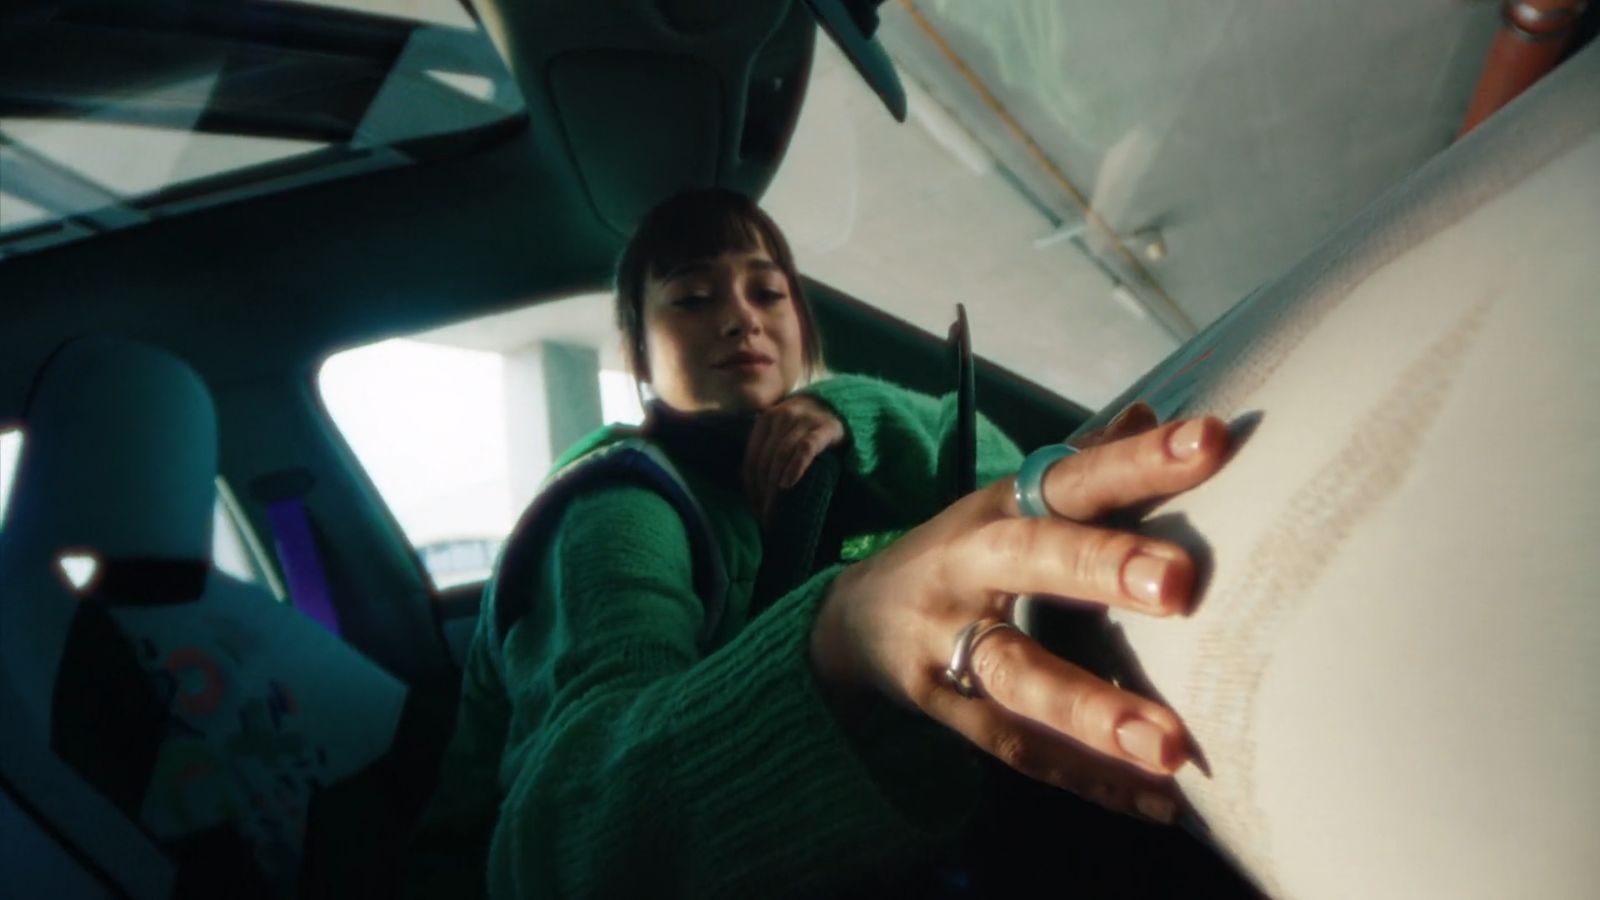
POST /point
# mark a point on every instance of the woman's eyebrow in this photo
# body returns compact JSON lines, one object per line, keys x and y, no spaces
{"x":699,"y":266}
{"x":687,"y":267}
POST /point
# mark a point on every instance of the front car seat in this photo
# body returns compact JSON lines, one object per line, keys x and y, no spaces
{"x":215,"y":717}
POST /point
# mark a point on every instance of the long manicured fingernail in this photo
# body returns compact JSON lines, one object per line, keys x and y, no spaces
{"x":1157,"y":807}
{"x":1143,"y":740}
{"x":1137,"y":407}
{"x":1143,"y":576}
{"x":1184,"y":442}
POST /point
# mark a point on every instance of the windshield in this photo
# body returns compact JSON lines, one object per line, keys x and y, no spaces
{"x":1097,"y":182}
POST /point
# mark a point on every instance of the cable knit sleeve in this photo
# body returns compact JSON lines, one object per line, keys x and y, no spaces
{"x":896,"y":438}
{"x":636,"y":765}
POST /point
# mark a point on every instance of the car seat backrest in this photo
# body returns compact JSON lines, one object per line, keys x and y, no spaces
{"x":119,"y":463}
{"x":204,"y":709}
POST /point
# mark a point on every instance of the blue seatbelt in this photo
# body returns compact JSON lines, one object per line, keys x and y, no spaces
{"x":510,"y":591}
{"x":283,"y":493}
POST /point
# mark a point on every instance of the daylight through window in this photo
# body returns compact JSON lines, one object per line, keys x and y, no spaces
{"x":458,"y":427}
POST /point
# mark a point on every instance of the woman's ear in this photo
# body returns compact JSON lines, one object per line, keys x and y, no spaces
{"x":632,"y":353}
{"x":641,"y":361}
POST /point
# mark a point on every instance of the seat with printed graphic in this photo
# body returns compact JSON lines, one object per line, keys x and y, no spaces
{"x":226,"y":725}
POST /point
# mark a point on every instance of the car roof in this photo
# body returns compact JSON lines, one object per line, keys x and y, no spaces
{"x":1224,"y":145}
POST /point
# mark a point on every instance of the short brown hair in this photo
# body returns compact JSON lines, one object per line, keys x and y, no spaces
{"x":700,"y":224}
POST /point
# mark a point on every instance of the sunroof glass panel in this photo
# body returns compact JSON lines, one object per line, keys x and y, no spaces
{"x":131,"y":160}
{"x":17,"y":213}
{"x":450,"y":13}
{"x":107,"y":108}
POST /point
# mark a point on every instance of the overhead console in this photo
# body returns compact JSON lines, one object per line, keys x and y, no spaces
{"x":655,"y":96}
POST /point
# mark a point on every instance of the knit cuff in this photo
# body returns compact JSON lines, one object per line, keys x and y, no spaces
{"x":928,"y":773}
{"x":804,"y":789}
{"x":856,"y":399}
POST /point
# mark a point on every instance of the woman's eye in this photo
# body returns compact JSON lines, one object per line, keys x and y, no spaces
{"x":770,"y":295}
{"x":691,"y":301}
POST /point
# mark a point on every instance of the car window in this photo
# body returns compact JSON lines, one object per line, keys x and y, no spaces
{"x":10,"y":450}
{"x":143,"y":112}
{"x":235,"y":549}
{"x":457,"y":427}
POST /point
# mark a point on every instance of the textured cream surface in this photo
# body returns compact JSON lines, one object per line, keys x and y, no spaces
{"x":1392,"y":673}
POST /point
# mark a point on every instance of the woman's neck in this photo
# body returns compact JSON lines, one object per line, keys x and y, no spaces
{"x":712,"y":441}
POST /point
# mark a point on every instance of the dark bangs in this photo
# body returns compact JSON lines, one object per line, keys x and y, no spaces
{"x":695,"y":225}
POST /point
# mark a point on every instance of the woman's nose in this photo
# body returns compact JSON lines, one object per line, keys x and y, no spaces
{"x":743,"y":317}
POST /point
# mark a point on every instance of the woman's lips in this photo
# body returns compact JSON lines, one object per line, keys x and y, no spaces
{"x":745,"y":362}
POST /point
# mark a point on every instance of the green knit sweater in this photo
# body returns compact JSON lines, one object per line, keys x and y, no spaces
{"x":618,"y":758}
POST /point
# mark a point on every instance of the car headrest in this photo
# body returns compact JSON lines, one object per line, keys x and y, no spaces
{"x":120,"y":459}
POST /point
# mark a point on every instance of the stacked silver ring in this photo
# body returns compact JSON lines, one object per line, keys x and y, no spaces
{"x":959,"y":674}
{"x":1031,"y":503}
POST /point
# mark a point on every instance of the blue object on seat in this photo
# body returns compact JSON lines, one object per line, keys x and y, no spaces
{"x":258,"y":710}
{"x":284,"y":495}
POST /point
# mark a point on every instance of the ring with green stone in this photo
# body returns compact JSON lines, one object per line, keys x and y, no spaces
{"x":1030,"y":478}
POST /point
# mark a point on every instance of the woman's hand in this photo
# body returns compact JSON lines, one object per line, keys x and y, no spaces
{"x":888,"y":623}
{"x":787,"y":438}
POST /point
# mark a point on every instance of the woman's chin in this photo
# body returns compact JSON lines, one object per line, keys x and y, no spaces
{"x":750,"y":401}
{"x":748,"y":396}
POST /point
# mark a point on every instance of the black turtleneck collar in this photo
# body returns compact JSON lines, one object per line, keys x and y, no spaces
{"x":712,"y":443}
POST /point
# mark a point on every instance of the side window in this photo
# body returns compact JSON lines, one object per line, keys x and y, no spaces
{"x":10,"y":451}
{"x":457,"y":427}
{"x":233,"y":549}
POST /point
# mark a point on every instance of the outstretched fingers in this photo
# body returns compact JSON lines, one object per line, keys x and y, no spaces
{"x":1038,"y":713}
{"x":1031,"y":684}
{"x":1111,"y":476}
{"x":1057,"y":557}
{"x":1046,"y":755}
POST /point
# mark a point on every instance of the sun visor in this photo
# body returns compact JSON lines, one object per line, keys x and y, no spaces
{"x":852,"y":25}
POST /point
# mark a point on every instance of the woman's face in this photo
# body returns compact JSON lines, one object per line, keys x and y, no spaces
{"x":722,"y":334}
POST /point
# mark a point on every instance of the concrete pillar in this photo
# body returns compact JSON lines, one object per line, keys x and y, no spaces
{"x":552,"y":400}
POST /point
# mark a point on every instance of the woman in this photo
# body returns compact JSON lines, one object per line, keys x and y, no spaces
{"x":817,"y":737}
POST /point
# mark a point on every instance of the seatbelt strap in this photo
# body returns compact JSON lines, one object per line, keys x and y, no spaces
{"x":58,"y":799}
{"x":965,"y":434}
{"x":789,"y":554}
{"x":283,"y":493}
{"x":633,"y":460}
{"x":794,"y":536}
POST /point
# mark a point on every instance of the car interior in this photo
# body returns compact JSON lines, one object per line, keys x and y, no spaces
{"x":299,"y":300}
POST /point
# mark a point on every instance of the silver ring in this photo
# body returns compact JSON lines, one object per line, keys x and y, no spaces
{"x":959,"y":674}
